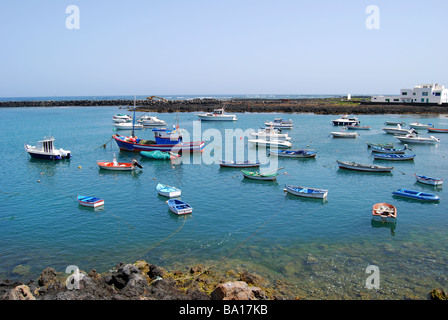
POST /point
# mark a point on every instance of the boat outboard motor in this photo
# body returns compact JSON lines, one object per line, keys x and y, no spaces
{"x":135,"y":163}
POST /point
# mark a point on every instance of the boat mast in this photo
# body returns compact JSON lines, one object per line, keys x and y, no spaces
{"x":133,"y":120}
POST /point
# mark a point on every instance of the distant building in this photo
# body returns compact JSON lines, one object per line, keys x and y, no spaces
{"x":423,"y":93}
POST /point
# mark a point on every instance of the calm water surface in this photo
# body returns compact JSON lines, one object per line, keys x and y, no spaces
{"x":319,"y":249}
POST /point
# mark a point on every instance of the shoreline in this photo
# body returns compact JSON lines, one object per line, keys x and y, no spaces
{"x":141,"y":280}
{"x":357,"y":105}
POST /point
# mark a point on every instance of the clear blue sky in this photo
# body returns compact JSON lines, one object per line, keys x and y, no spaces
{"x":220,"y":47}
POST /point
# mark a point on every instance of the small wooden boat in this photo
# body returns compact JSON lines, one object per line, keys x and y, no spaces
{"x":358,"y":127}
{"x":381,"y":145}
{"x":394,"y":157}
{"x":119,"y":166}
{"x":394,"y":123}
{"x":159,"y":155}
{"x":417,"y":125}
{"x":413,"y":138}
{"x":440,"y":130}
{"x":239,"y":164}
{"x":384,"y":212}
{"x":429,"y":180}
{"x":271,"y":143}
{"x":363,"y":167}
{"x":389,"y":150}
{"x":90,"y":201}
{"x":340,"y":134}
{"x":179,"y":207}
{"x":398,"y":130}
{"x":306,"y":192}
{"x":416,"y":195}
{"x":300,"y":153}
{"x":259,"y":176}
{"x":168,"y":191}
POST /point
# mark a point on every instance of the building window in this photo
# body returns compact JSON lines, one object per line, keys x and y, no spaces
{"x":396,"y":99}
{"x":404,"y":93}
{"x":425,"y":93}
{"x":437,"y":94}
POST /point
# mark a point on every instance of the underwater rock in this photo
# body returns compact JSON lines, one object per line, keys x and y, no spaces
{"x":438,"y":294}
{"x":237,"y":290}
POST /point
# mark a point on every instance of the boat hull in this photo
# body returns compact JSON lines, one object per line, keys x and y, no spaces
{"x":406,"y":139}
{"x":217,"y":118}
{"x":275,"y":144}
{"x":237,"y":164}
{"x":393,"y":157}
{"x":437,"y":130}
{"x":120,"y":166}
{"x":417,"y":195}
{"x":345,"y":135}
{"x":48,"y":156}
{"x":251,"y":175}
{"x":293,"y":154}
{"x":387,"y":150}
{"x":353,"y":127}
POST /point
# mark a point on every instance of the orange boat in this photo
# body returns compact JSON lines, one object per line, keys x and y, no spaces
{"x":384,"y":212}
{"x":119,"y":166}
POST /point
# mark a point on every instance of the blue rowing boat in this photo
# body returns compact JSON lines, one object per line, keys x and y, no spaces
{"x":300,"y":153}
{"x":416,"y":195}
{"x":387,"y":150}
{"x":395,"y":157}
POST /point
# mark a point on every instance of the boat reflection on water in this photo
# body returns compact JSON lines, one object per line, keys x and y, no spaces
{"x":384,"y":224}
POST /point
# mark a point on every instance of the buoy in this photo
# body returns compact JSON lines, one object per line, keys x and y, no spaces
{"x":79,"y":167}
{"x":38,"y":180}
{"x":41,"y":173}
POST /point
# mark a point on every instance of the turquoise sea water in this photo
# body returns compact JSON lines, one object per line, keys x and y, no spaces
{"x":318,"y":249}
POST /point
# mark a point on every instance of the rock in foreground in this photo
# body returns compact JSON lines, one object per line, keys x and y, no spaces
{"x":138,"y":281}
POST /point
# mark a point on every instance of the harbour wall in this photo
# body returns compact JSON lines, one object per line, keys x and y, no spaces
{"x":317,"y":106}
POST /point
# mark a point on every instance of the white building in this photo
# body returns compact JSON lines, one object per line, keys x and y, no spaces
{"x":423,"y":93}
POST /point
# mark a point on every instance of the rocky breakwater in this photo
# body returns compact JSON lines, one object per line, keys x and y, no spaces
{"x":357,"y":105}
{"x":139,"y":281}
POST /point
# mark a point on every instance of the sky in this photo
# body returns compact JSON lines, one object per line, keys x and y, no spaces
{"x":211,"y":47}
